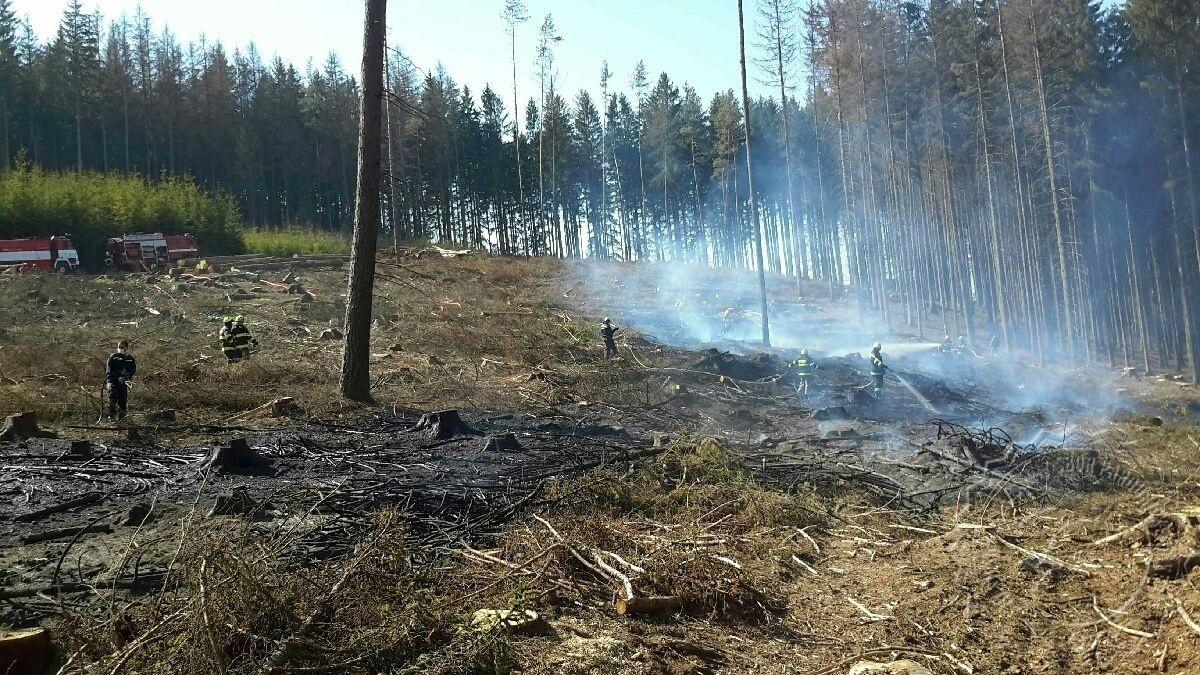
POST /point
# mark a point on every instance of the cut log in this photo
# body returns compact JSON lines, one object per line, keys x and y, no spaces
{"x":64,"y":533}
{"x":24,"y":651}
{"x":22,"y":426}
{"x":655,"y":604}
{"x":82,"y":500}
{"x":281,"y":407}
{"x":81,"y":450}
{"x":443,"y":425}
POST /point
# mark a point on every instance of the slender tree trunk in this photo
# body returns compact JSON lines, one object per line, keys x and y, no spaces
{"x":999,"y":295}
{"x":516,"y":142}
{"x":758,"y":251}
{"x":1064,"y":270}
{"x":5,"y":159}
{"x":356,"y":384}
{"x":389,"y":133}
{"x":125,"y":113}
{"x":78,"y":135}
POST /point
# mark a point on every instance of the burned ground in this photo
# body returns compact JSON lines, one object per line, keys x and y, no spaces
{"x":737,"y":527}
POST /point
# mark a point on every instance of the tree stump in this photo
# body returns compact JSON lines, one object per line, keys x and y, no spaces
{"x":136,"y":515}
{"x":832,"y":414}
{"x":443,"y":425}
{"x":236,"y":457}
{"x":24,"y":651}
{"x":505,"y":443}
{"x":235,"y":502}
{"x":161,"y":417}
{"x":21,"y":426}
{"x":81,"y":450}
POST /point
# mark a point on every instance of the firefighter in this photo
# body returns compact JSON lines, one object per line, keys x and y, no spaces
{"x":117,"y":374}
{"x":805,"y":370}
{"x":226,"y":336}
{"x":878,"y":369}
{"x":946,"y":346}
{"x":240,"y":339}
{"x":609,"y":333}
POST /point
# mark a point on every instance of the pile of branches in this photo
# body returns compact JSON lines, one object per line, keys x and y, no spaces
{"x":988,"y":448}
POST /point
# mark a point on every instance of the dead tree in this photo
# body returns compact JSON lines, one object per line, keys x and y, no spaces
{"x":758,"y":244}
{"x":356,"y":380}
{"x":514,"y":15}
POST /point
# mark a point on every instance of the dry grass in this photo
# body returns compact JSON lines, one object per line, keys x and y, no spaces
{"x":466,"y":332}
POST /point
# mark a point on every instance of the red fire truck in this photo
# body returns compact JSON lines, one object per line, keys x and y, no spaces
{"x":56,"y":254}
{"x":145,"y":251}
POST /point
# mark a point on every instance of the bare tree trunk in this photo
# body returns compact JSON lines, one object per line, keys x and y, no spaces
{"x":758,"y":251}
{"x":356,"y":383}
{"x":517,"y":143}
{"x":4,"y":149}
{"x":999,"y":296}
{"x":393,"y":219}
{"x":1064,"y":271}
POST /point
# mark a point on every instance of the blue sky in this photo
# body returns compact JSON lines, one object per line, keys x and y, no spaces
{"x":692,"y":40}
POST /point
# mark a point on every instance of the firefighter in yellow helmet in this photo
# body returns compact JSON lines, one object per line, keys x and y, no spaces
{"x":878,"y":369}
{"x":239,"y":340}
{"x":806,"y":368}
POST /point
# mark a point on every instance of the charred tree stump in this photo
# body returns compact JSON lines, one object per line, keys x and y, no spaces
{"x":443,"y":425}
{"x":22,"y":426}
{"x":505,"y":443}
{"x":235,"y":502}
{"x":236,"y":457}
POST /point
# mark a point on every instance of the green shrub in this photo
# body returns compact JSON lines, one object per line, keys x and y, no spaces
{"x":92,"y":207}
{"x":291,"y":241}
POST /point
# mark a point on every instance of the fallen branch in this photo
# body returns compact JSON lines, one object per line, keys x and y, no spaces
{"x":1187,"y":618}
{"x":84,"y":500}
{"x":1123,"y":629}
{"x":870,"y":616}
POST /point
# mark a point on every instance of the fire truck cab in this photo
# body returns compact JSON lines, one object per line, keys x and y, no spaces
{"x":53,"y":254}
{"x":146,"y":251}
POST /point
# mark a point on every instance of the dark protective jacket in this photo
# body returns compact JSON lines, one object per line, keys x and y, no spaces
{"x":120,"y":367}
{"x":608,"y":332}
{"x":805,"y":366}
{"x":239,"y":338}
{"x":877,"y":367}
